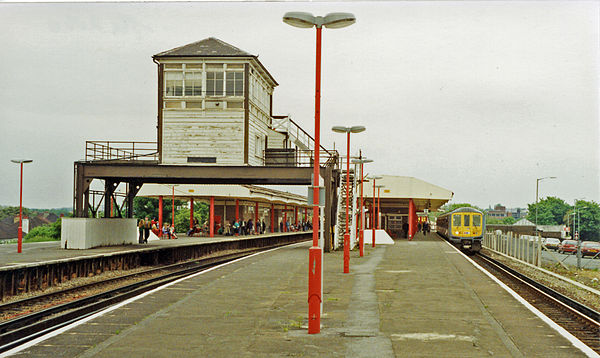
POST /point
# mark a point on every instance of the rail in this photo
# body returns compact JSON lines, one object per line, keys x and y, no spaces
{"x":120,"y":150}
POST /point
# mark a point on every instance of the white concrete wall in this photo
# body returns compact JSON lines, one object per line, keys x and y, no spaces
{"x":86,"y":233}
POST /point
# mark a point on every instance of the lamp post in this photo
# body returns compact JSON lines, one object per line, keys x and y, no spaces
{"x":374,"y":178}
{"x":378,"y":205}
{"x":347,"y":130}
{"x":361,"y":235}
{"x":315,"y":253}
{"x":537,"y":184}
{"x":173,"y":206}
{"x":20,"y":231}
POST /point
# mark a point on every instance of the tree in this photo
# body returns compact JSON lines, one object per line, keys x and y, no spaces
{"x":182,"y":216}
{"x":550,"y":211}
{"x":143,"y":207}
{"x":587,"y":219}
{"x":12,"y":211}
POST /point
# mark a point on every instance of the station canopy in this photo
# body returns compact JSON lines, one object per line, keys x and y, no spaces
{"x":222,"y":193}
{"x":398,"y":190}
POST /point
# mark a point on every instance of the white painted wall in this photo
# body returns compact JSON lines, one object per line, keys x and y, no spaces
{"x":86,"y":233}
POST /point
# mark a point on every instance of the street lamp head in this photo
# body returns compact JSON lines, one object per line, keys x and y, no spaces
{"x":337,"y":20}
{"x":19,"y":161}
{"x":380,"y":186}
{"x":334,"y":20}
{"x":353,"y":129}
{"x":361,"y":161}
{"x":299,"y":19}
{"x":375,"y":177}
{"x":340,"y":129}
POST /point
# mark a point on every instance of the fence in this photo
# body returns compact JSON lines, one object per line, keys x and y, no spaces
{"x":526,"y":248}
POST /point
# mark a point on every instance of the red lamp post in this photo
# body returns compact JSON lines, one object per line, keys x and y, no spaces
{"x":378,"y":206}
{"x":373,"y":226}
{"x":20,"y":230}
{"x":307,"y":20}
{"x":347,"y":130}
{"x":361,"y":236}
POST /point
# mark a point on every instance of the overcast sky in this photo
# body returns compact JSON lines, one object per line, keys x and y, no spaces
{"x":480,"y":98}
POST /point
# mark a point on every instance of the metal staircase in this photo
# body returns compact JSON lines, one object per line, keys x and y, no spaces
{"x":340,"y":227}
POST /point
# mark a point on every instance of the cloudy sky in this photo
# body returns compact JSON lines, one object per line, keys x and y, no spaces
{"x":480,"y":98}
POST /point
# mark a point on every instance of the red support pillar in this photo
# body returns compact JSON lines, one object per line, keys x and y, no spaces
{"x":411,"y":219}
{"x":211,"y":214}
{"x":305,"y":214}
{"x":191,"y":213}
{"x":160,"y":214}
{"x":296,"y":216}
{"x":111,"y":206}
{"x":272,"y":218}
{"x":378,"y":209}
{"x":237,"y":214}
{"x":256,"y":217}
{"x":285,"y":218}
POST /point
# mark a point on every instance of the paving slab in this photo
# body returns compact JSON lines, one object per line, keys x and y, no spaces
{"x":411,"y":299}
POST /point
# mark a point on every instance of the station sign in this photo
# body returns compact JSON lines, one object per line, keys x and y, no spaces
{"x":309,"y":197}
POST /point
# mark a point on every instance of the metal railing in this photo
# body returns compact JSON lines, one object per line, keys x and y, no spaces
{"x":120,"y":150}
{"x":286,"y":124}
{"x":285,"y":157}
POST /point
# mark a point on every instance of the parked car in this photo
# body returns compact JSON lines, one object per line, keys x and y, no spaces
{"x":590,"y":248}
{"x":552,"y":243}
{"x":567,"y":246}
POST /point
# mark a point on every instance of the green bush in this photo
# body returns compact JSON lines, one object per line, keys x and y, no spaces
{"x":49,"y":232}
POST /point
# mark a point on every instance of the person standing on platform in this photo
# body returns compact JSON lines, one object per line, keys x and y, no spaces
{"x":263,"y":226}
{"x":147,"y":227}
{"x":141,"y":230}
{"x":249,"y":227}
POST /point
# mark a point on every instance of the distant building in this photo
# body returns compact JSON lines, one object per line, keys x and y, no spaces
{"x":499,"y":212}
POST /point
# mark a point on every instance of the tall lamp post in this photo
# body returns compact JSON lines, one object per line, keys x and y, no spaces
{"x":537,"y":185}
{"x":315,"y":253}
{"x":173,"y":205}
{"x":379,"y":205}
{"x":361,"y":235}
{"x":347,"y":130}
{"x":374,"y":178}
{"x":20,"y":232}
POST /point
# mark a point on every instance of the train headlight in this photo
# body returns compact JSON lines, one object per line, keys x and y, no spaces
{"x":456,"y":232}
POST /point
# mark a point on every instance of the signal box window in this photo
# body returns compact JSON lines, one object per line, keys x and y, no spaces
{"x":193,"y":83}
{"x":467,"y":220}
{"x":174,"y":83}
{"x":477,"y":220}
{"x":455,"y":220}
{"x":214,"y":83}
{"x":234,"y":84}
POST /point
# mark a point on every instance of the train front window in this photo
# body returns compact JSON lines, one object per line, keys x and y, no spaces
{"x":467,"y":220}
{"x":477,"y":220}
{"x":456,"y":220}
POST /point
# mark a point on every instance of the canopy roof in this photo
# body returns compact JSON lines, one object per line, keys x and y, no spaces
{"x":222,"y":192}
{"x":398,"y":190}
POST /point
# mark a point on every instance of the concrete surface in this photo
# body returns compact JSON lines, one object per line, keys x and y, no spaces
{"x":411,"y":299}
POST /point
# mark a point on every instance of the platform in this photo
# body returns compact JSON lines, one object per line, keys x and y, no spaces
{"x":412,"y":299}
{"x":41,"y":252}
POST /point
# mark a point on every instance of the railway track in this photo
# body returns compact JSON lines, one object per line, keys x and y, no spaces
{"x":64,"y":307}
{"x":578,"y":319}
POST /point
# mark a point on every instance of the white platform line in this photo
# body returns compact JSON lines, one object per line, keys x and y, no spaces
{"x":574,"y":341}
{"x":126,"y":302}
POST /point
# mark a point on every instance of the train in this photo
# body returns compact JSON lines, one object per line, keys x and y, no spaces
{"x":463,"y":227}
